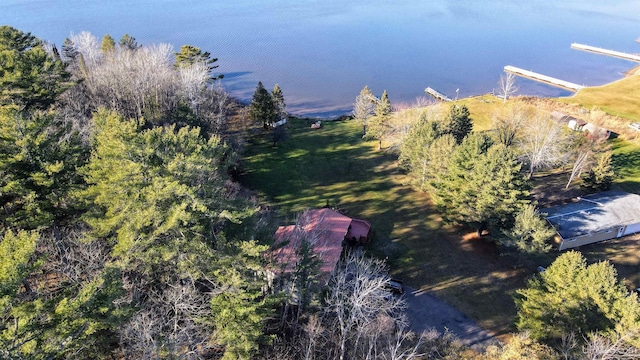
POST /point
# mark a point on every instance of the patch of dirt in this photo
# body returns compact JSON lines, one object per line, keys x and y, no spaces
{"x":549,"y":189}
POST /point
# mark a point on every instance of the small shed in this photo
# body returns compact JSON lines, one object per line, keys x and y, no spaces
{"x":597,"y":217}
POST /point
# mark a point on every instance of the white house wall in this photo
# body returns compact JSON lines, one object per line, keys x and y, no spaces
{"x":632,"y":229}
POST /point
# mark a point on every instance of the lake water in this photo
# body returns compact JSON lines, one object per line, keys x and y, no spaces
{"x":322,"y":52}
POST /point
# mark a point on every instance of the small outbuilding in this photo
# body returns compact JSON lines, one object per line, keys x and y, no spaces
{"x":597,"y":217}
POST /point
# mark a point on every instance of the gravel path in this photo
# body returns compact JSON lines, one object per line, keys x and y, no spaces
{"x":426,"y":311}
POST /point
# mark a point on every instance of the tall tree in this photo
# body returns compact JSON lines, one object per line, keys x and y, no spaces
{"x":262,"y":107}
{"x":458,"y":122}
{"x":364,"y":107}
{"x":69,"y":50}
{"x":530,"y":232}
{"x":573,"y":297}
{"x":30,"y":78}
{"x":108,"y":44}
{"x":482,"y":184}
{"x":507,"y":86}
{"x":278,"y":100}
{"x":415,"y":151}
{"x":600,"y":176}
{"x":190,"y":55}
{"x":161,"y":195}
{"x":541,"y":143}
{"x":380,"y":126}
{"x":155,"y":189}
{"x":128,"y":42}
{"x":38,"y":161}
{"x":240,"y":307}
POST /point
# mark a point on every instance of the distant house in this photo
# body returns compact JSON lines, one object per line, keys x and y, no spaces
{"x":326,"y":230}
{"x":593,"y":218}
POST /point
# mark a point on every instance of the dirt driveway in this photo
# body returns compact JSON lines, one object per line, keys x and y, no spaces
{"x":426,"y":311}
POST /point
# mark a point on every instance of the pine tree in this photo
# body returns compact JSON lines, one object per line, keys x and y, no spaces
{"x":29,"y":77}
{"x":190,"y":55}
{"x":379,"y":126}
{"x":601,"y":175}
{"x":241,"y":308}
{"x":160,"y":192}
{"x":364,"y":107}
{"x":573,"y":297}
{"x":262,"y":107}
{"x":481,"y":185}
{"x":458,"y":122}
{"x":530,"y":232}
{"x":416,"y":150}
{"x":128,"y":42}
{"x":69,"y":50}
{"x":108,"y":44}
{"x":278,"y":100}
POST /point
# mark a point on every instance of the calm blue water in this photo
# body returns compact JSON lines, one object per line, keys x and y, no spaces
{"x":322,"y":52}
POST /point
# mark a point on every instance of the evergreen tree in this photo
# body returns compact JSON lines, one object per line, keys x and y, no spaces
{"x":458,"y":122}
{"x":158,"y":190}
{"x":415,"y":151}
{"x":364,"y":107}
{"x":379,"y":126}
{"x":241,"y":308}
{"x":73,"y":320}
{"x":128,"y":42}
{"x":530,"y":232}
{"x":600,"y":176}
{"x":278,"y":100}
{"x":262,"y":107}
{"x":108,"y":44}
{"x":571,"y":297}
{"x":190,"y":55}
{"x":69,"y":50}
{"x":482,"y":185}
{"x":29,"y":77}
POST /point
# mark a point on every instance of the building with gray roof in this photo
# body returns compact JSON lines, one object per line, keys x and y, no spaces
{"x":596,"y":217}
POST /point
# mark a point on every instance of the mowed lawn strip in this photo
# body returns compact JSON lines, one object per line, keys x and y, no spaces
{"x":333,"y":164}
{"x":619,"y":98}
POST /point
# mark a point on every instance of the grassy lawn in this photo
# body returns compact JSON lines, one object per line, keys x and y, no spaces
{"x":619,"y":98}
{"x":333,"y":164}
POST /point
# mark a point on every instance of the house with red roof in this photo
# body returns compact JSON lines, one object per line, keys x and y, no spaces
{"x":326,"y":230}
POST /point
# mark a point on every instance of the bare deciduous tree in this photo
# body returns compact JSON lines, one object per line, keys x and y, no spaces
{"x":509,"y":121}
{"x":507,"y":86}
{"x":542,"y":144}
{"x":170,"y":323}
{"x":356,"y":297}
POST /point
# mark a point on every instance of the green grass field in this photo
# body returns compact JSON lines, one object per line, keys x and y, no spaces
{"x":333,"y":164}
{"x":619,"y":98}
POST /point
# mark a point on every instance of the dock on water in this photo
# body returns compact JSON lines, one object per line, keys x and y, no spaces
{"x":438,"y":95}
{"x":597,"y":50}
{"x":543,"y":78}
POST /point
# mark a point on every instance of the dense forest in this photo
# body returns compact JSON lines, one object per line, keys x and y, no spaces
{"x":125,"y":237}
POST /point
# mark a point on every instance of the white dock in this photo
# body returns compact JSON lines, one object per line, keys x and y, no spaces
{"x":597,"y":50}
{"x":438,"y":95}
{"x":543,"y":78}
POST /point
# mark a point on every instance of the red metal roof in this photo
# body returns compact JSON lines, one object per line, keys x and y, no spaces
{"x":325,"y":229}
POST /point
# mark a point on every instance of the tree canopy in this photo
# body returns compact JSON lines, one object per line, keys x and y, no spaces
{"x":262,"y":108}
{"x":573,"y":297}
{"x":30,"y":78}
